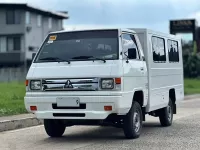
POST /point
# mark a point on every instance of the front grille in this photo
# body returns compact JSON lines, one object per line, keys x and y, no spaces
{"x":70,"y":84}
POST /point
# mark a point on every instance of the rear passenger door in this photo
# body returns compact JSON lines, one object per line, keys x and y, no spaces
{"x":135,"y":69}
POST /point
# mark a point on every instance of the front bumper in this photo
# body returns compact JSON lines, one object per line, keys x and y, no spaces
{"x":93,"y":107}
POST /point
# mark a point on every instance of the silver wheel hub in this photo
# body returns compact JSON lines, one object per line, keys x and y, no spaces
{"x":136,"y":121}
{"x":169,"y":111}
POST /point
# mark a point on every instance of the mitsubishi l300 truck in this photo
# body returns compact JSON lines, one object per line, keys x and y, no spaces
{"x":105,"y":77}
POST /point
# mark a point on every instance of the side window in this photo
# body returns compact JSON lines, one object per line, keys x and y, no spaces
{"x":28,"y":17}
{"x":173,"y":51}
{"x":129,"y":42}
{"x":159,"y":53}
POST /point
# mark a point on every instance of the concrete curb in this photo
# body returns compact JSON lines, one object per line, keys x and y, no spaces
{"x":19,"y":123}
{"x":188,"y":97}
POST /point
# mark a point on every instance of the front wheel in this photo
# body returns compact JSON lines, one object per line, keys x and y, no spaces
{"x":133,"y":122}
{"x":166,"y":115}
{"x":54,"y":128}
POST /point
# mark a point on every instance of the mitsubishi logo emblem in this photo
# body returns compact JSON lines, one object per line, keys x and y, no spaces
{"x":68,"y":84}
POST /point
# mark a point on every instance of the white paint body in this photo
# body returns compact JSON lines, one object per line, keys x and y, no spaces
{"x":154,"y":79}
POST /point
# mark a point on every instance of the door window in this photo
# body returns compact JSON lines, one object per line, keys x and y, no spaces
{"x":129,"y":42}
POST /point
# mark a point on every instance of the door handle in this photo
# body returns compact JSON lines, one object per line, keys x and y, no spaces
{"x":141,"y":68}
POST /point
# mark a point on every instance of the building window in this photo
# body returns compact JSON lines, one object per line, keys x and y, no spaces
{"x":14,"y":43}
{"x":60,"y":24}
{"x":13,"y":17}
{"x":2,"y":44}
{"x":28,"y":17}
{"x":158,"y":46}
{"x":173,"y":51}
{"x":39,"y":20}
{"x":50,"y":23}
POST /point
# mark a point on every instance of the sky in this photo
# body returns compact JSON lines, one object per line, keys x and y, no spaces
{"x":153,"y":14}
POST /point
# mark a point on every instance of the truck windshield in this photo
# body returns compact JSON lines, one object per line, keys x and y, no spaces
{"x":79,"y":46}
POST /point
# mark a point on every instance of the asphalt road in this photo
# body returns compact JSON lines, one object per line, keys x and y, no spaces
{"x":183,"y":134}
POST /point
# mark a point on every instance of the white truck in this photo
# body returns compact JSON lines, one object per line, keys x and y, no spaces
{"x":105,"y":77}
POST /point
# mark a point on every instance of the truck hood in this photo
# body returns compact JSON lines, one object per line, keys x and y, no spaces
{"x":75,"y":69}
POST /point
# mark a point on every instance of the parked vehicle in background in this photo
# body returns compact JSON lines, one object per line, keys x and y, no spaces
{"x":105,"y":77}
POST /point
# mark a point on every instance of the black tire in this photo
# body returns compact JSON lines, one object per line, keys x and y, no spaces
{"x":132,"y":129}
{"x":166,"y":115}
{"x":54,"y":128}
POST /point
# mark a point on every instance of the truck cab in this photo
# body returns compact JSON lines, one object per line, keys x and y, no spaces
{"x":94,"y":77}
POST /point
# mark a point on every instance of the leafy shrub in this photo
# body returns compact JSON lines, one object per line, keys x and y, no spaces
{"x":191,"y":62}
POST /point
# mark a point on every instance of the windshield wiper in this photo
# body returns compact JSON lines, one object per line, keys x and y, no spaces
{"x":82,"y":57}
{"x":96,"y":58}
{"x":55,"y":59}
{"x":89,"y":58}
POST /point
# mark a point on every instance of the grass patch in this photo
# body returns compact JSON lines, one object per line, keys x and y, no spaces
{"x":192,"y":86}
{"x":12,"y":99}
{"x":12,"y":96}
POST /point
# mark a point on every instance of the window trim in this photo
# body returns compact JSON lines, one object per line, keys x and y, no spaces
{"x":138,"y":51}
{"x":177,"y":50}
{"x":164,"y":49}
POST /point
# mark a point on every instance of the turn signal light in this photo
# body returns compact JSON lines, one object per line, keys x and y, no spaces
{"x":33,"y":108}
{"x":107,"y":108}
{"x":26,"y":83}
{"x":117,"y":80}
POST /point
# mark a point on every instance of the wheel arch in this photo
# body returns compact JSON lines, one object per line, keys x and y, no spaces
{"x":138,"y":96}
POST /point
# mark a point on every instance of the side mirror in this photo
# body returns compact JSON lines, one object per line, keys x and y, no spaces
{"x":33,"y":55}
{"x":132,"y":53}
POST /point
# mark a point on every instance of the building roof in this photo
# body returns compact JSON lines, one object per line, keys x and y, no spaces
{"x":60,"y":15}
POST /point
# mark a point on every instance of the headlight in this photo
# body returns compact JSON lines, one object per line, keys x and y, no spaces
{"x":107,"y":83}
{"x":35,"y":85}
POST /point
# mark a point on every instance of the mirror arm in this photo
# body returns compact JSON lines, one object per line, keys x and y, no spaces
{"x":127,"y":61}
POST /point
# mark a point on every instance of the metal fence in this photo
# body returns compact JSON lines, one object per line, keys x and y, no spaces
{"x":12,"y":74}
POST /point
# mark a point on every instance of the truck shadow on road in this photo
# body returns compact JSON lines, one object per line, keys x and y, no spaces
{"x":103,"y":133}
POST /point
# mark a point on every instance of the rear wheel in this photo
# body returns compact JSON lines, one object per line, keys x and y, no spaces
{"x":133,"y":122}
{"x":166,"y":115}
{"x":54,"y":128}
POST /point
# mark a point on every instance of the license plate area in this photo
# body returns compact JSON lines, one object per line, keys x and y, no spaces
{"x":68,"y":102}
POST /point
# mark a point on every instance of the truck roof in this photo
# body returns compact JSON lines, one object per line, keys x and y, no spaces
{"x":133,"y":30}
{"x":155,"y":32}
{"x":92,"y":29}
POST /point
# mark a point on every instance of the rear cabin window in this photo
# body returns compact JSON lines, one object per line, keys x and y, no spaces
{"x":159,"y":53}
{"x":173,"y":51}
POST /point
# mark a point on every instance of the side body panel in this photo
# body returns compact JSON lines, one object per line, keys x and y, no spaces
{"x":161,"y":76}
{"x":164,"y":76}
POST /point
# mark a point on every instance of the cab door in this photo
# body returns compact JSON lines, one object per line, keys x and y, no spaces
{"x":134,"y":65}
